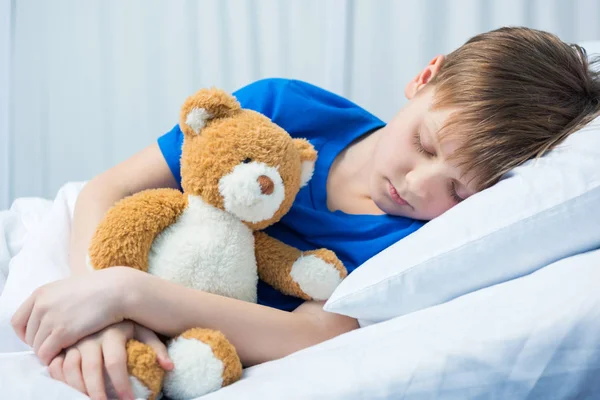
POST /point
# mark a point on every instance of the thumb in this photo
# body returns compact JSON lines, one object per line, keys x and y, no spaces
{"x":150,"y":338}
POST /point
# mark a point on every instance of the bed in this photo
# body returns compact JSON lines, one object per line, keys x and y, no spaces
{"x":507,"y":307}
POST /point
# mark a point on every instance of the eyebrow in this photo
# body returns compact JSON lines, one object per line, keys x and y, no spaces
{"x":432,"y":134}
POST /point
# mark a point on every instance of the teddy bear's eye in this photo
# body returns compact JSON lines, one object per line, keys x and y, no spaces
{"x":247,"y":160}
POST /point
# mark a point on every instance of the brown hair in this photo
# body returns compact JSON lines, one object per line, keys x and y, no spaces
{"x":518,"y":93}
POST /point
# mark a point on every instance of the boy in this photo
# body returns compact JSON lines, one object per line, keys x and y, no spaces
{"x":502,"y":98}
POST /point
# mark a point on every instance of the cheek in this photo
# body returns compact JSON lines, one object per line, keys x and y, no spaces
{"x":393,"y":150}
{"x":436,"y":207}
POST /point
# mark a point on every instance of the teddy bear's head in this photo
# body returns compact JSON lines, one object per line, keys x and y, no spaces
{"x":239,"y":161}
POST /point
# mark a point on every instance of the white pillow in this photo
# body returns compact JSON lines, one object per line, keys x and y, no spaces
{"x":535,"y":337}
{"x":541,"y":212}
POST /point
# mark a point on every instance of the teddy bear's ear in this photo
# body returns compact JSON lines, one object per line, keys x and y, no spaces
{"x":308,"y":155}
{"x":204,"y":105}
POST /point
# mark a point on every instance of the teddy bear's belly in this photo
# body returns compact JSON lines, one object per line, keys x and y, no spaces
{"x":209,"y":250}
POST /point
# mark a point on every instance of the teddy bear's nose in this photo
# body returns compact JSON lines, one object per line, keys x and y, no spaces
{"x":266,"y":184}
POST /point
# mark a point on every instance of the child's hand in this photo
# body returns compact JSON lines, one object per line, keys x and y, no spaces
{"x":60,"y":313}
{"x":82,"y":365}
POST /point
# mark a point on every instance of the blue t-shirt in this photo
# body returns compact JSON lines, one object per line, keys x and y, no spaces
{"x":330,"y":123}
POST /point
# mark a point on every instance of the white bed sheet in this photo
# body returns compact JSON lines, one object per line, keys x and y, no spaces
{"x":34,"y":237}
{"x":23,"y":215}
{"x":536,"y":337}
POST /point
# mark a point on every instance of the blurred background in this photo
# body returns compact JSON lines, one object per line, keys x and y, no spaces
{"x":85,"y":84}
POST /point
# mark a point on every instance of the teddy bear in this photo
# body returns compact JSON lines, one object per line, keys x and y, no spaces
{"x":240,"y":173}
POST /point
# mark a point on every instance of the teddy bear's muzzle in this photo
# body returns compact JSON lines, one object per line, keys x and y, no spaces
{"x":252,"y":191}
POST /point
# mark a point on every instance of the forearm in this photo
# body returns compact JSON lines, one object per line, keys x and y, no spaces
{"x":93,"y":202}
{"x":259,"y":333}
{"x":144,"y":170}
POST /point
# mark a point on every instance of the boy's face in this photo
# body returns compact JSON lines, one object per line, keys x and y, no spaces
{"x":412,"y":176}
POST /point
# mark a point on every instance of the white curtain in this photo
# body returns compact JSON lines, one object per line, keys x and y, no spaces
{"x":94,"y":81}
{"x":5,"y":50}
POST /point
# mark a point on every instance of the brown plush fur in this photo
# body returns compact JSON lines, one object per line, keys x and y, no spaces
{"x":215,"y":101}
{"x":222,"y":349}
{"x":142,"y":363}
{"x":231,"y":137}
{"x":126,"y":233}
{"x":307,"y":152}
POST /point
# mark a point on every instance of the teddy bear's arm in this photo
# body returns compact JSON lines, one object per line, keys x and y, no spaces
{"x":311,"y":275}
{"x":274,"y":260}
{"x":125,"y":235}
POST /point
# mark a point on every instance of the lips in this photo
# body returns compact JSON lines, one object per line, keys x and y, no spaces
{"x":395,"y":196}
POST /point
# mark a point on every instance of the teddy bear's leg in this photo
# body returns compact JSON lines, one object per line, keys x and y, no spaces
{"x":145,"y":373}
{"x":204,"y":362}
{"x":309,"y":275}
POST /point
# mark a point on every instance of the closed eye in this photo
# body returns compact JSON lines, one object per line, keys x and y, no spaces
{"x":419,"y":145}
{"x":453,"y":192}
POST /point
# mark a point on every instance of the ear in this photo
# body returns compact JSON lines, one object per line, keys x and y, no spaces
{"x":203,"y":106}
{"x":308,"y":156}
{"x":431,"y":70}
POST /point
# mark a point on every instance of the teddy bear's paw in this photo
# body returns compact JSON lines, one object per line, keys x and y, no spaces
{"x":140,"y":391}
{"x":204,"y":362}
{"x":318,"y":273}
{"x":145,"y":373}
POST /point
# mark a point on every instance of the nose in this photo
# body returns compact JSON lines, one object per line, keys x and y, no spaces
{"x":425,"y":180}
{"x":266,"y":184}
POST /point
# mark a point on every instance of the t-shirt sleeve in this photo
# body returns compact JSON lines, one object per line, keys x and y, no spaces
{"x":264,"y":96}
{"x":170,"y":146}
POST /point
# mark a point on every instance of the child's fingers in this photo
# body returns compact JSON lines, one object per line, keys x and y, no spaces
{"x":147,"y":336}
{"x":50,"y":347}
{"x":21,"y":316}
{"x":33,"y":324}
{"x":56,"y":368}
{"x":72,"y":370}
{"x":41,"y":335}
{"x":115,"y":363}
{"x":93,"y":369}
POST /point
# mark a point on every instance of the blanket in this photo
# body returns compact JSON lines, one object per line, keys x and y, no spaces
{"x":34,"y":240}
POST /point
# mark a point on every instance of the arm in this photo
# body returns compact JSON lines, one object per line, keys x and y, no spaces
{"x":309,"y":275}
{"x":145,"y":170}
{"x":259,"y":333}
{"x":124,"y":237}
